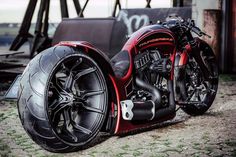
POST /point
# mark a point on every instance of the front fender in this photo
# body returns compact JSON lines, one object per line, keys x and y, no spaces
{"x":202,"y":46}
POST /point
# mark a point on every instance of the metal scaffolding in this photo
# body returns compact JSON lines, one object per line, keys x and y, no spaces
{"x":40,"y":40}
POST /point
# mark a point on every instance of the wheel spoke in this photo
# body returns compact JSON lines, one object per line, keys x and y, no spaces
{"x":198,"y":96}
{"x":57,"y":107}
{"x":82,"y":129}
{"x":72,"y":135}
{"x":203,"y":92}
{"x":92,"y":109}
{"x":191,"y":95}
{"x":69,"y":82}
{"x":78,"y":62}
{"x":59,"y":103}
{"x":57,"y":86}
{"x":78,"y":99}
{"x":67,"y":119}
{"x":52,"y":86}
{"x":57,"y":89}
{"x":208,"y":91}
{"x":84,"y":72}
{"x":65,"y":68}
{"x":91,"y":93}
{"x":203,"y":104}
{"x":55,"y":104}
{"x":67,"y":122}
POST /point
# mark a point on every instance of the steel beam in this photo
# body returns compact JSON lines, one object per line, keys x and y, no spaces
{"x":148,"y":4}
{"x":64,"y":9}
{"x":78,"y":8}
{"x":41,"y":29}
{"x":24,"y":35}
{"x":82,"y":11}
{"x":40,"y":39}
{"x":178,"y":3}
{"x":117,"y":4}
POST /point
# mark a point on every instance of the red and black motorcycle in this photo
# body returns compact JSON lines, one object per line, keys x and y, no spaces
{"x":72,"y":91}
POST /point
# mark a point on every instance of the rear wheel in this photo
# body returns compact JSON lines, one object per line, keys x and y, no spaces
{"x":201,"y":92}
{"x":63,"y":99}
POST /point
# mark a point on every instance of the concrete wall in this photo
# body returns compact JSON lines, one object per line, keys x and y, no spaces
{"x":199,"y":5}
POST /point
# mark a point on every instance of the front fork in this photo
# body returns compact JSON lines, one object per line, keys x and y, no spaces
{"x":181,"y":61}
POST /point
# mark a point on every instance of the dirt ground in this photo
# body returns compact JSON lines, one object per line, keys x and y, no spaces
{"x":212,"y":134}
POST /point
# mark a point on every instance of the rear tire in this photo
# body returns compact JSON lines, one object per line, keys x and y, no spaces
{"x":62,"y":99}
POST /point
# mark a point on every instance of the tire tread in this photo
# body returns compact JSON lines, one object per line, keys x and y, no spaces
{"x":29,"y":96}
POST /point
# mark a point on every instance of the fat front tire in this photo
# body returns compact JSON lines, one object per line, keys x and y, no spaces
{"x":201,"y":92}
{"x":62,"y":100}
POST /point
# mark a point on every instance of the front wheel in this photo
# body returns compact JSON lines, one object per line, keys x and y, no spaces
{"x":201,"y":92}
{"x":63,"y":99}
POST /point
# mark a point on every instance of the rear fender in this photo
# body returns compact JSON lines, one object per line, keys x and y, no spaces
{"x":101,"y":59}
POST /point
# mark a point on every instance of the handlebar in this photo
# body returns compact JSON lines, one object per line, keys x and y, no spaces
{"x":190,"y":25}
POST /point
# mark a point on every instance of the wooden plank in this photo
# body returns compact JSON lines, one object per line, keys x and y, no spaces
{"x":10,"y":53}
{"x":7,"y":65}
{"x":12,"y":71}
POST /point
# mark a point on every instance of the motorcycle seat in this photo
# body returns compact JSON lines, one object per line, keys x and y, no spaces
{"x":120,"y":63}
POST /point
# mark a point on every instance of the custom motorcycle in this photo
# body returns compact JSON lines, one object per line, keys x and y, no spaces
{"x":72,"y":91}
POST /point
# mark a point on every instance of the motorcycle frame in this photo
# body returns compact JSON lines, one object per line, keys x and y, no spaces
{"x":145,"y":38}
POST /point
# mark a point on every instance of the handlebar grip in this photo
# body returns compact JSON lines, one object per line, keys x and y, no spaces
{"x":197,"y":31}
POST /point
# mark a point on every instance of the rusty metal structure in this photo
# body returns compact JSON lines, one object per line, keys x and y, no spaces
{"x":40,"y":39}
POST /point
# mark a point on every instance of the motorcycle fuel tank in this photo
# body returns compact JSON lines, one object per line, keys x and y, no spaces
{"x":152,"y":36}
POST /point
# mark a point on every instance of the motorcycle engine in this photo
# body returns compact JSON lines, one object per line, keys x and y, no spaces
{"x":154,"y":68}
{"x":150,"y":89}
{"x":151,"y":61}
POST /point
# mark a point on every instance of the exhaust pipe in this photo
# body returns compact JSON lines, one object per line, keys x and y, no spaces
{"x":155,"y":92}
{"x":148,"y":110}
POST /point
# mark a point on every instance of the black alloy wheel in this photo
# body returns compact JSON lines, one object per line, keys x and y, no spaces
{"x":76,"y":98}
{"x":201,"y":92}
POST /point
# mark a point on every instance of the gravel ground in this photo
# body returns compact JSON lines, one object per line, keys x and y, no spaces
{"x":212,"y":134}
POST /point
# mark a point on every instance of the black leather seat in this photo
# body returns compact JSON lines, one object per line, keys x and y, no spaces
{"x":120,"y":63}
